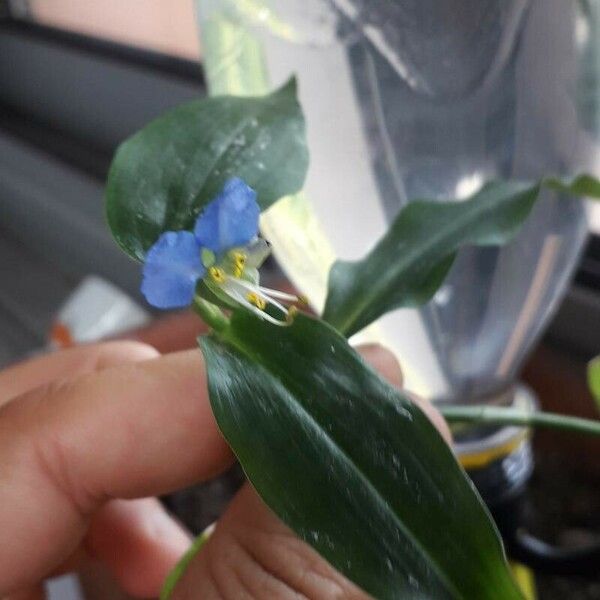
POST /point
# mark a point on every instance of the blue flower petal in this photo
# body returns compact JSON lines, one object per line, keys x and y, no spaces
{"x":171,"y":270}
{"x":230,"y":220}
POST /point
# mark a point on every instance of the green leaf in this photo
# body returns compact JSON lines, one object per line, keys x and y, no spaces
{"x":161,"y":178}
{"x":350,"y":464}
{"x":593,"y":373}
{"x":581,"y":185}
{"x":411,"y":261}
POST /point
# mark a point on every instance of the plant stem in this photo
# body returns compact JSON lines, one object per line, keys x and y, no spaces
{"x":497,"y":415}
{"x":211,"y":314}
{"x":180,"y":568}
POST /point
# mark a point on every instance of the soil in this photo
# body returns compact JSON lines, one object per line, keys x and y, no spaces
{"x":564,"y":509}
{"x":565,"y":489}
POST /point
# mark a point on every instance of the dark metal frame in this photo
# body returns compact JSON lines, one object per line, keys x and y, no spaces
{"x":156,"y":62}
{"x":588,"y":275}
{"x":35,"y":128}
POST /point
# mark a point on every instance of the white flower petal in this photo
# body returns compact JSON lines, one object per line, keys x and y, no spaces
{"x":278,"y":294}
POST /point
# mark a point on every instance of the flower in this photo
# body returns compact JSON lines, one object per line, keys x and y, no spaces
{"x":224,"y":252}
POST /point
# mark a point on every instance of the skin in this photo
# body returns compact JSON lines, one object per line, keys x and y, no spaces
{"x":89,"y":436}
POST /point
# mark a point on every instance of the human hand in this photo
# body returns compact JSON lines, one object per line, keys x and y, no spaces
{"x":89,"y":435}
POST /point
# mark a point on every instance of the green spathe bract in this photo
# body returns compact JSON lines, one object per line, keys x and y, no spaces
{"x":163,"y":176}
{"x":410,"y":262}
{"x":351,"y":464}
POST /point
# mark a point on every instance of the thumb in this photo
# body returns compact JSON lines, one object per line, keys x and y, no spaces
{"x":252,"y":554}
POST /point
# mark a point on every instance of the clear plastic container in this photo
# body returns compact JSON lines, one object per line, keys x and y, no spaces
{"x":427,"y":99}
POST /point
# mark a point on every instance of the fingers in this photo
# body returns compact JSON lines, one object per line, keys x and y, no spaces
{"x":173,"y":333}
{"x":34,"y":593}
{"x":138,"y":542}
{"x":69,"y":364}
{"x":131,"y":546}
{"x":137,"y":430}
{"x":252,"y":554}
{"x":434,"y":416}
{"x":383,"y":361}
{"x":132,"y":431}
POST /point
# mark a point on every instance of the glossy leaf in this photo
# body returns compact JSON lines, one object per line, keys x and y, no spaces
{"x":583,"y":185}
{"x":593,"y":373}
{"x":350,"y":464}
{"x":162,"y":177}
{"x":411,"y":261}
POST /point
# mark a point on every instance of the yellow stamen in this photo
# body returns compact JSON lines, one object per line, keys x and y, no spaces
{"x":239,"y":262}
{"x":292,"y":312}
{"x":256,"y":300}
{"x":217,"y":274}
{"x":240,"y":259}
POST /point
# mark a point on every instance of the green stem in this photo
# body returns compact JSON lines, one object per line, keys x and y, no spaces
{"x":180,"y":568}
{"x":496,"y":415}
{"x":212,"y":315}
